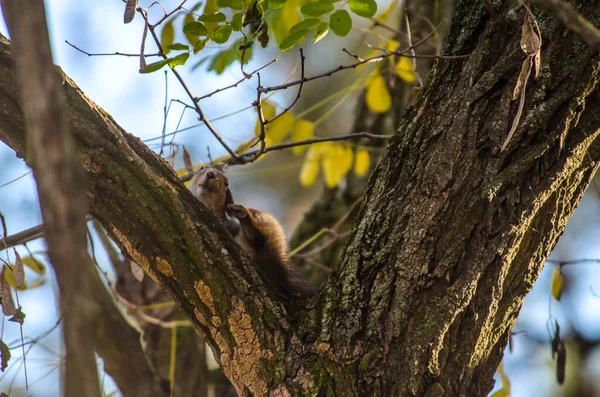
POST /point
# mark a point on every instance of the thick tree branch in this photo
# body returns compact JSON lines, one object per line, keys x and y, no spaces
{"x":59,"y":177}
{"x":155,"y":220}
{"x":452,"y":233}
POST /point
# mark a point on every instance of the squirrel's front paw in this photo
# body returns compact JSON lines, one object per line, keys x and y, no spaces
{"x":239,"y":211}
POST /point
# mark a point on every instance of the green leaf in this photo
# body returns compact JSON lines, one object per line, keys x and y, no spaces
{"x":195,"y":28}
{"x":306,"y":24}
{"x":316,"y":9}
{"x":199,"y":46}
{"x":233,"y":4}
{"x":275,"y":4}
{"x":363,"y":8}
{"x":189,"y":18}
{"x":340,"y":23}
{"x":199,"y":63}
{"x":221,"y":60}
{"x":215,"y":17}
{"x":180,"y":59}
{"x":221,"y":34}
{"x":178,"y":47}
{"x":167,"y":35}
{"x":153,"y":67}
{"x":321,"y":32}
{"x":292,"y":39}
{"x":4,"y":355}
{"x":236,"y":21}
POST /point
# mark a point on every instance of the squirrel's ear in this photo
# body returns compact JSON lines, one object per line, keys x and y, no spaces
{"x":228,"y":197}
{"x":222,"y":166}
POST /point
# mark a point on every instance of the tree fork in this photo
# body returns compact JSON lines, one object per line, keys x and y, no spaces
{"x":450,"y":238}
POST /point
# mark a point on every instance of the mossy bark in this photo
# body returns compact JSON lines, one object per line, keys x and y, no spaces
{"x":451,"y":235}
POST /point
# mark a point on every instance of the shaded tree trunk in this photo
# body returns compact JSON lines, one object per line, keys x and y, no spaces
{"x":450,"y":238}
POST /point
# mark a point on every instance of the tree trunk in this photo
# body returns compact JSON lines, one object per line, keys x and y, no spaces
{"x":451,"y":235}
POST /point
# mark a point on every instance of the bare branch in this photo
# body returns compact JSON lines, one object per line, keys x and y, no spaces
{"x":249,"y":156}
{"x":189,"y":93}
{"x":246,"y":77}
{"x":377,"y":58}
{"x":101,"y":54}
{"x":302,"y":59}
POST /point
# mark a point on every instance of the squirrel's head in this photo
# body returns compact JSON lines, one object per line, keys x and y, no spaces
{"x":211,"y":187}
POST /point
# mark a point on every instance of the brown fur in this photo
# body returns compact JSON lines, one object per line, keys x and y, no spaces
{"x":263,"y":239}
{"x":259,"y":234}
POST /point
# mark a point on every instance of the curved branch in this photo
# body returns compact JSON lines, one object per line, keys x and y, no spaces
{"x":177,"y":241}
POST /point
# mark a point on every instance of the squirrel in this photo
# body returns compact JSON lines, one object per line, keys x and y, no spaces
{"x":258,"y":233}
{"x":211,"y":186}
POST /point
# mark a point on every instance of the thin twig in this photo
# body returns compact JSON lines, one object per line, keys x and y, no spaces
{"x":239,"y":81}
{"x":261,"y":120}
{"x":202,"y":117}
{"x":376,"y":58}
{"x":25,"y":236}
{"x":100,"y":54}
{"x":248,"y":157}
{"x":165,"y":112}
{"x":179,"y":7}
{"x":302,"y":59}
{"x":145,"y":317}
{"x":412,"y":49}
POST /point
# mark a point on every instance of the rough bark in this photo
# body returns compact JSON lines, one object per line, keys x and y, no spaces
{"x":453,"y":233}
{"x":59,"y":177}
{"x":450,"y":238}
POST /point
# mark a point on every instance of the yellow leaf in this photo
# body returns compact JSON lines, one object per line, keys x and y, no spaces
{"x":377,"y":97}
{"x":362,"y":161}
{"x":506,"y":388}
{"x":10,"y":277}
{"x":284,"y":18}
{"x":281,"y":127}
{"x":371,"y":54}
{"x":312,"y":161}
{"x":405,"y":70}
{"x":392,"y":45}
{"x":34,"y":264}
{"x":387,"y":12}
{"x":303,"y":130}
{"x":167,"y":35}
{"x":268,"y":110}
{"x":337,"y":161}
{"x":557,"y":283}
{"x":211,"y":8}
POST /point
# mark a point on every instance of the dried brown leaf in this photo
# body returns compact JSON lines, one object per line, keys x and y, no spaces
{"x":523,"y":76}
{"x":530,"y":42}
{"x":19,"y":270}
{"x":137,"y":271}
{"x":19,"y":316}
{"x":517,"y":118}
{"x":4,"y":356}
{"x":8,"y":304}
{"x":187,"y":161}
